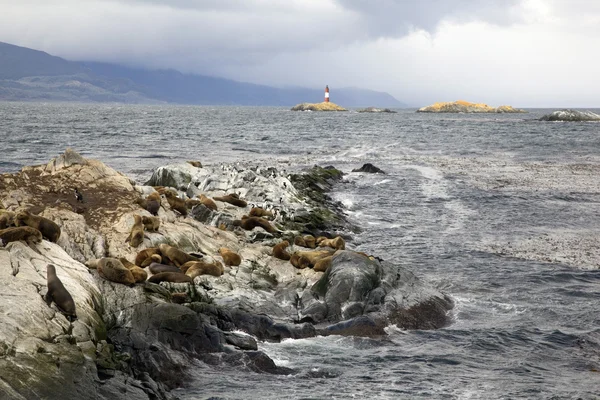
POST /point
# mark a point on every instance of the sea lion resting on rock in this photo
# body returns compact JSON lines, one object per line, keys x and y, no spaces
{"x":153,"y":203}
{"x":299,"y":241}
{"x":139,"y":274}
{"x":26,"y":233}
{"x":176,"y":203}
{"x":136,"y":236}
{"x":142,"y":259}
{"x":50,"y":230}
{"x":151,"y":223}
{"x":230,"y":257}
{"x":232,"y":198}
{"x":7,"y":219}
{"x":196,"y":164}
{"x":311,"y":256}
{"x":279,"y":251}
{"x":175,"y":277}
{"x":260,"y":212}
{"x":208,"y":202}
{"x":310,"y":241}
{"x":323,"y":264}
{"x":191,"y":203}
{"x":59,"y":295}
{"x":299,"y":261}
{"x":197,"y":268}
{"x":249,"y":223}
{"x":156,"y":268}
{"x":113,"y":270}
{"x":177,"y":257}
{"x":337,"y":243}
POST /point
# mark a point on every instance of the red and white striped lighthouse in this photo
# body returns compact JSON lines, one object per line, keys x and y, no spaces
{"x":326,"y":93}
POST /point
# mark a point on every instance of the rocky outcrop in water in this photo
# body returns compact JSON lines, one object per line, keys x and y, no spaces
{"x":376,"y":110}
{"x":462,"y":106}
{"x":324,"y":106}
{"x":571,"y":116}
{"x":136,"y":342}
{"x":369,"y":168}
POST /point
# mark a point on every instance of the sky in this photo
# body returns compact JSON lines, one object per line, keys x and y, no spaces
{"x":526,"y":53}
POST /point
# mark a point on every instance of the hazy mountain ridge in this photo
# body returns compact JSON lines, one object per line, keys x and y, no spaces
{"x":29,"y":75}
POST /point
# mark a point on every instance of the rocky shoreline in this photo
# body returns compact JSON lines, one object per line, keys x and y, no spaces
{"x":138,"y":341}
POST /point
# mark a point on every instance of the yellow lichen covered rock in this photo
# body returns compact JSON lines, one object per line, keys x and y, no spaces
{"x":462,"y":106}
{"x":324,"y":106}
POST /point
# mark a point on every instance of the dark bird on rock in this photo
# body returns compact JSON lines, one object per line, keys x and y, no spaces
{"x":78,"y":196}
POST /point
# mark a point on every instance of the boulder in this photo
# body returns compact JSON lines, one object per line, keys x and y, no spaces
{"x":571,"y":116}
{"x":369,"y":168}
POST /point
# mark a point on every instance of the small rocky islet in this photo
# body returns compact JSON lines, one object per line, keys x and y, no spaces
{"x":569,"y":115}
{"x":323,"y":106}
{"x":135,"y":339}
{"x":461,"y":106}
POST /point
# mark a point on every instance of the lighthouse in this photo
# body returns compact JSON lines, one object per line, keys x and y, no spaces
{"x":326,"y":93}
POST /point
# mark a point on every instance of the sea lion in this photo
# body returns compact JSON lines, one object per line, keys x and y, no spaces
{"x":197,"y":268}
{"x":176,"y":256}
{"x":113,"y":270}
{"x":232,"y":198}
{"x":139,"y":274}
{"x":230,"y":257}
{"x":136,"y":236}
{"x":249,"y":223}
{"x":50,"y":230}
{"x":176,"y":203}
{"x":156,"y":268}
{"x":58,"y":294}
{"x":153,"y":203}
{"x":222,"y":226}
{"x":26,"y":233}
{"x":322,"y":264}
{"x":142,"y":257}
{"x":175,"y":277}
{"x":337,"y":243}
{"x":191,"y":203}
{"x":208,"y":202}
{"x":315,"y":255}
{"x":7,"y":219}
{"x":299,"y":241}
{"x":260,"y":212}
{"x":299,"y":261}
{"x":310,"y":241}
{"x":196,"y":164}
{"x":151,"y":223}
{"x":279,"y":251}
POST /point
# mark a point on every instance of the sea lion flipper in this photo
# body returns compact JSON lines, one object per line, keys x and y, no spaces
{"x":48,"y":299}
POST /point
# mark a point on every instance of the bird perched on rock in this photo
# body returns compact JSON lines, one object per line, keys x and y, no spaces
{"x":78,"y":196}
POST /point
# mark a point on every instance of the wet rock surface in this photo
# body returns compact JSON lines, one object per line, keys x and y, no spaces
{"x":571,"y":116}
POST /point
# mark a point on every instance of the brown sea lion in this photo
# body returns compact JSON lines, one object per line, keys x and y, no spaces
{"x":139,"y":274}
{"x":299,"y":261}
{"x":25,"y":233}
{"x":151,"y":224}
{"x":136,"y":236}
{"x":153,"y":203}
{"x":176,"y":256}
{"x":113,"y":270}
{"x":337,"y":243}
{"x":222,"y":226}
{"x":280,"y":252}
{"x":156,"y":268}
{"x":232,"y":198}
{"x":50,"y":230}
{"x":58,"y":294}
{"x":175,"y":277}
{"x":230,"y":257}
{"x":197,"y":268}
{"x":196,"y":164}
{"x":315,"y":255}
{"x":260,"y":212}
{"x":191,"y":203}
{"x":310,"y":241}
{"x":208,"y":202}
{"x":322,"y":264}
{"x":299,"y":241}
{"x":7,"y":219}
{"x":176,"y":203}
{"x":144,"y":255}
{"x":249,"y":223}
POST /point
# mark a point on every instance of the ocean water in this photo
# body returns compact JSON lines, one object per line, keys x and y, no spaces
{"x":501,"y":212}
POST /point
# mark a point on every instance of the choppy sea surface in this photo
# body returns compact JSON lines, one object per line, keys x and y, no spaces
{"x":501,"y":212}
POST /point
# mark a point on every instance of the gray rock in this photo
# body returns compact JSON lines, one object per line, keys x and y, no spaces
{"x":571,"y":116}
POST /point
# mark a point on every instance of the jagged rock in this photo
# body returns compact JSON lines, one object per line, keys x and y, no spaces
{"x":571,"y":116}
{"x":369,"y":168}
{"x":324,"y":106}
{"x":376,"y":110}
{"x":177,"y":176}
{"x":462,"y":106}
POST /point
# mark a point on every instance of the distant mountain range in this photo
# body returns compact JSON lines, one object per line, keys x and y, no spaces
{"x":32,"y":75}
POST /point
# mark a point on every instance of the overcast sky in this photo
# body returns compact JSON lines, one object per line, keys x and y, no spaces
{"x":532,"y":53}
